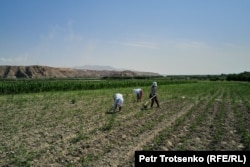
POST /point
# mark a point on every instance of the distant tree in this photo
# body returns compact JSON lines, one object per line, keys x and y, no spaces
{"x":244,"y":76}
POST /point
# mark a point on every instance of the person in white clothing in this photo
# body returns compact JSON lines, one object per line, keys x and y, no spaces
{"x":118,"y":102}
{"x":138,"y":93}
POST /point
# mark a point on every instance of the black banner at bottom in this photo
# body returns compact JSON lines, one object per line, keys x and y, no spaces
{"x":192,"y":158}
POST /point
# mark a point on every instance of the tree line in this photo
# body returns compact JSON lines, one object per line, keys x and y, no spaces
{"x":244,"y":76}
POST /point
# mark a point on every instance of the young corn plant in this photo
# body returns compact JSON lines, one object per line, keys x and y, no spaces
{"x":80,"y":136}
{"x":110,"y":124}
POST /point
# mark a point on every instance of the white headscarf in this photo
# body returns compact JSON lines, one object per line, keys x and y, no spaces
{"x":137,"y":90}
{"x":154,"y":83}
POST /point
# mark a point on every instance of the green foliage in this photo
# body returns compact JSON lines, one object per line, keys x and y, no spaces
{"x":244,"y":76}
{"x":108,"y":126}
{"x":31,"y":86}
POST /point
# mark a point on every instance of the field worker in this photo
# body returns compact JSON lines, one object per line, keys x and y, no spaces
{"x":153,"y":93}
{"x":138,"y":93}
{"x":118,"y":101}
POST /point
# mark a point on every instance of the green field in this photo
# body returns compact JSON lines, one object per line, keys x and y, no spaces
{"x":70,"y":125}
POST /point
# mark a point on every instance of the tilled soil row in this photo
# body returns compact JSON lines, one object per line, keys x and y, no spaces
{"x":216,"y":131}
{"x":174,"y":138}
{"x":93,"y":120}
{"x":121,"y":155}
{"x":199,"y":133}
{"x":50,"y":143}
{"x":103,"y":142}
{"x":230,"y":138}
{"x":89,"y":136}
{"x":33,"y":137}
{"x":41,"y":138}
{"x":242,"y":115}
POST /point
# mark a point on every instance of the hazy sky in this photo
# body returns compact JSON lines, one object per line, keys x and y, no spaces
{"x":164,"y":36}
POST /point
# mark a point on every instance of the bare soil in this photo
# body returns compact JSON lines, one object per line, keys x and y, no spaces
{"x":77,"y":128}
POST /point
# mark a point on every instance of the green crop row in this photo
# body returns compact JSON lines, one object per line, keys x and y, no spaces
{"x":28,"y":86}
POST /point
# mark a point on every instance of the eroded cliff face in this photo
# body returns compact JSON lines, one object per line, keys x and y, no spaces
{"x":39,"y":72}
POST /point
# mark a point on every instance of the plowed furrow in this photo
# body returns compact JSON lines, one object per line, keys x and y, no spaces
{"x":124,"y":153}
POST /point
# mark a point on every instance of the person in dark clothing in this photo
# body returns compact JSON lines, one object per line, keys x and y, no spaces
{"x":153,"y":93}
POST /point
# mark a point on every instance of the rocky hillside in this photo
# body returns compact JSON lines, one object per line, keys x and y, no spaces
{"x":39,"y":72}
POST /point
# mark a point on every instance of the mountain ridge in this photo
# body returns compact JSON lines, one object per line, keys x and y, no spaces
{"x":46,"y":72}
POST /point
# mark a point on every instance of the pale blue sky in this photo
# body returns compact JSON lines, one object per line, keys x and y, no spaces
{"x":163,"y":36}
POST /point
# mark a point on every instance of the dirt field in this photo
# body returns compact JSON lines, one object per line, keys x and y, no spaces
{"x":75,"y":128}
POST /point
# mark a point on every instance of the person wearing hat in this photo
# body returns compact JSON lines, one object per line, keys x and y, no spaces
{"x":138,"y":93}
{"x":153,"y":94}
